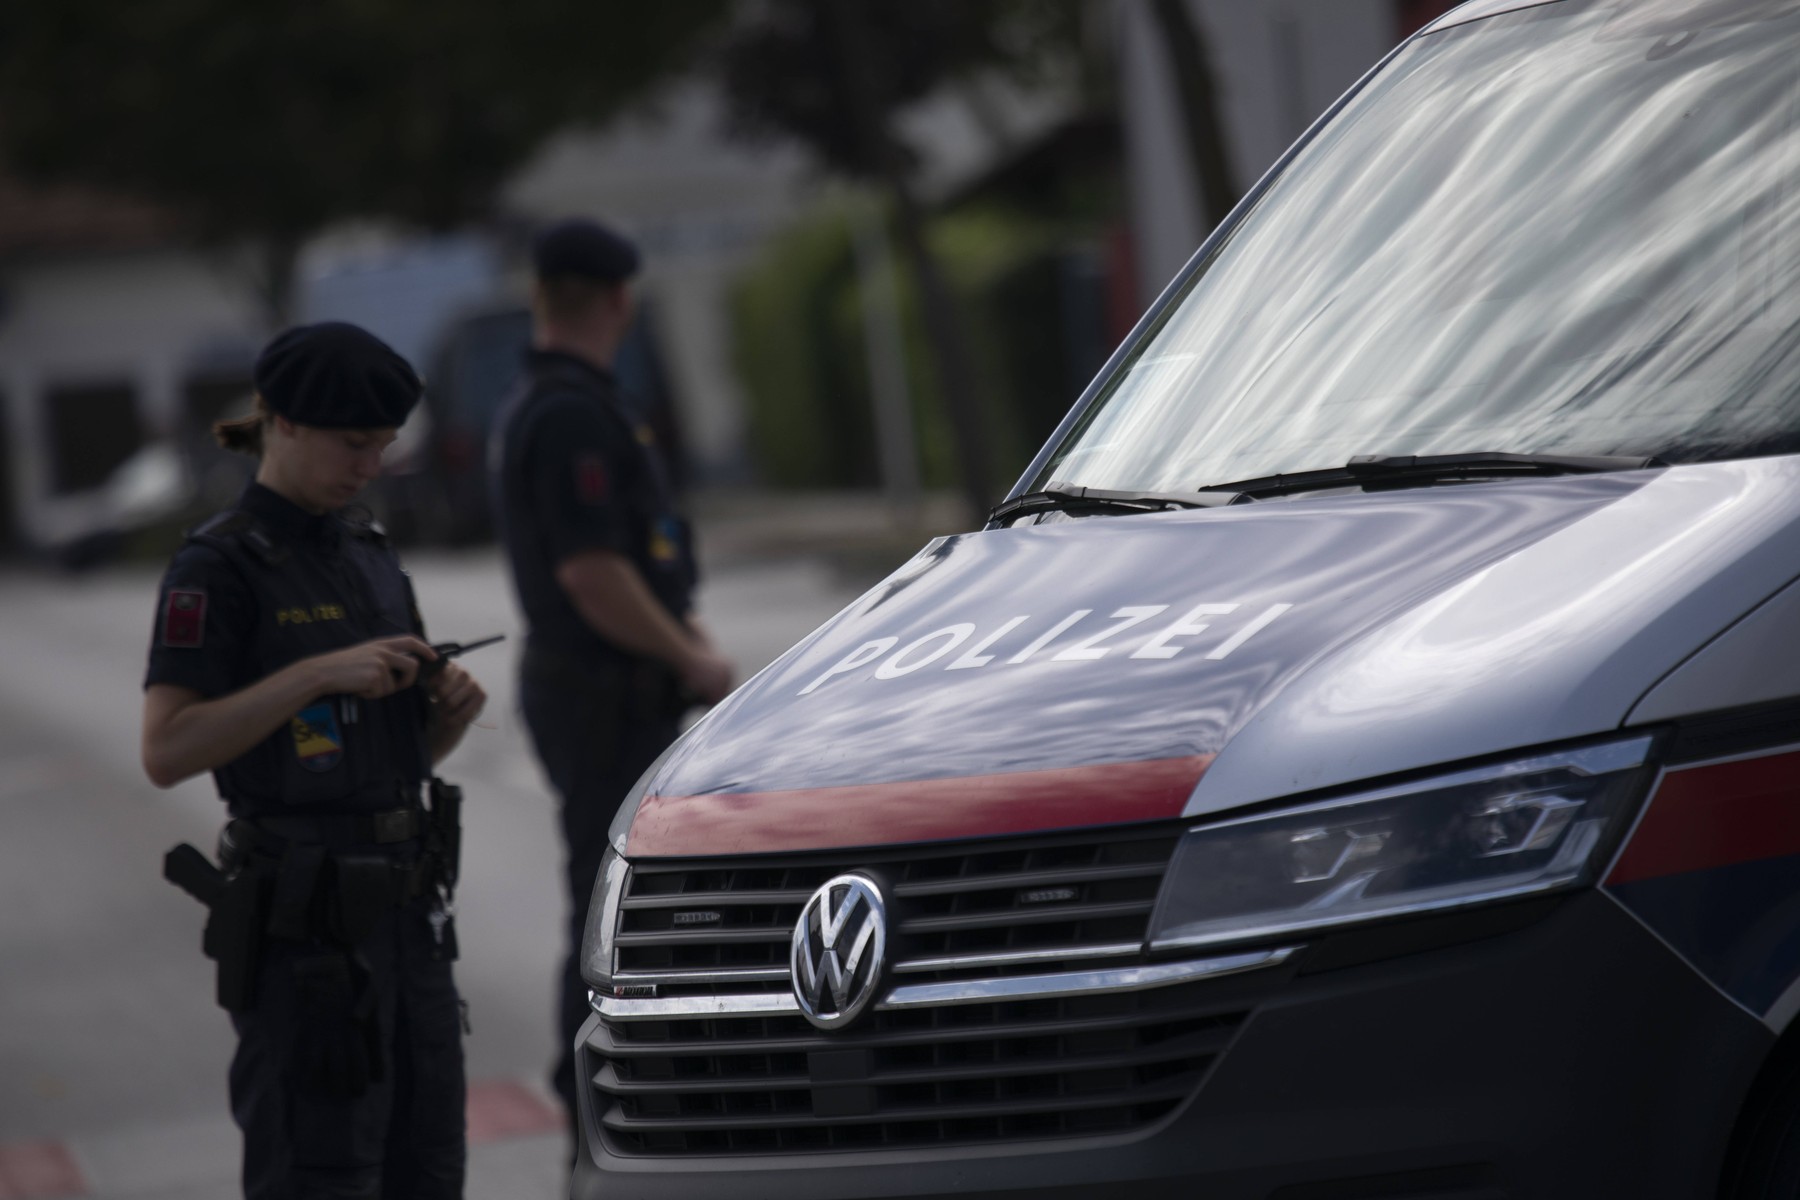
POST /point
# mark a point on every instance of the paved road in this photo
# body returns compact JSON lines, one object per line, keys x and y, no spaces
{"x":112,"y":1054}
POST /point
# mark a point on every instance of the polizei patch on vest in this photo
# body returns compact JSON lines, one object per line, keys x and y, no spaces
{"x":316,"y":738}
{"x":184,"y":618}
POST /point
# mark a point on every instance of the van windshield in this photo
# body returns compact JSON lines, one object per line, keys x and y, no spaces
{"x":1572,"y":229}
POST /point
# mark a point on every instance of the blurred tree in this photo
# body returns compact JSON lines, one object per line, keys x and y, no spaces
{"x":836,"y":73}
{"x":797,"y":315}
{"x":1190,"y":63}
{"x":267,"y":120}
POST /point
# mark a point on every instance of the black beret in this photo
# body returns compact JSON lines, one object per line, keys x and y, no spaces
{"x":336,"y":376}
{"x":585,"y":249}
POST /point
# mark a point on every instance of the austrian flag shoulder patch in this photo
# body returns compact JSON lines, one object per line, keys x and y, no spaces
{"x":590,"y":478}
{"x":184,"y":618}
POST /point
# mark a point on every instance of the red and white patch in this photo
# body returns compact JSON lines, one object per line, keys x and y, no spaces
{"x":184,"y":618}
{"x":590,"y":478}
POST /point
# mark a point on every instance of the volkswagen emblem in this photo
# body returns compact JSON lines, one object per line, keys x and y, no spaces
{"x":838,"y":949}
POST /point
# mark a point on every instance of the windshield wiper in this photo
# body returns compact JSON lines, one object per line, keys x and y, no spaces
{"x":1372,"y":472}
{"x":1376,"y":471}
{"x":1066,"y":498}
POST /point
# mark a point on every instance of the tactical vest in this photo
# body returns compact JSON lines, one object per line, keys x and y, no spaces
{"x":339,"y":754}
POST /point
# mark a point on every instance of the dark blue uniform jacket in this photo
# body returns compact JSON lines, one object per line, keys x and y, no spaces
{"x":261,"y":586}
{"x":572,"y":472}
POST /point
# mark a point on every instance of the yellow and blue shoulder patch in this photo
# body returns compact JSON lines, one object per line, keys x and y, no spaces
{"x":665,"y":540}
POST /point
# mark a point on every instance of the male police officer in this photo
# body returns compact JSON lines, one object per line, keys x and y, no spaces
{"x":602,"y":565}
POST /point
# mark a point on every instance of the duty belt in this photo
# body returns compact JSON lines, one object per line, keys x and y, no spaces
{"x":345,"y":829}
{"x":266,"y":839}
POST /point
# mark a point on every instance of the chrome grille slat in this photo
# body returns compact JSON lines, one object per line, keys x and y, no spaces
{"x":964,"y":962}
{"x":677,"y":937}
{"x":982,"y":883}
{"x":952,"y":962}
{"x":741,"y":975}
{"x":746,"y":1073}
{"x":1045,"y":916}
{"x":805,"y":1038}
{"x":702,"y":899}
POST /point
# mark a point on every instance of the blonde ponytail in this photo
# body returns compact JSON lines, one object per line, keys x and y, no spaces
{"x":244,"y":434}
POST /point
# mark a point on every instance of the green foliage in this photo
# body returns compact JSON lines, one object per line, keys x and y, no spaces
{"x":799,"y":372}
{"x":980,"y":249}
{"x":272,"y":119}
{"x":800,"y":351}
{"x":834,"y":74}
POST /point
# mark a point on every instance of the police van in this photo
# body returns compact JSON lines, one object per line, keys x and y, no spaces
{"x":1361,"y":759}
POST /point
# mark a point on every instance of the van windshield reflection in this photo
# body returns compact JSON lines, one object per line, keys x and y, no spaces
{"x":1570,"y":230}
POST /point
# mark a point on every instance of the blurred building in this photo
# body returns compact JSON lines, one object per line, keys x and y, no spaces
{"x":120,"y":342}
{"x":111,"y":329}
{"x":1277,"y":65}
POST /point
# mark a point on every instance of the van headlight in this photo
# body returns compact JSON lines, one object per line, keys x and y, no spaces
{"x":602,"y":920}
{"x":602,"y":923}
{"x":1531,"y":825}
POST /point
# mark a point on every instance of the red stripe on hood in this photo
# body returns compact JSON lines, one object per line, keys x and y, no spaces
{"x":883,"y":814}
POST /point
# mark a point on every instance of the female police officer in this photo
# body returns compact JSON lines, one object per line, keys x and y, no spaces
{"x":287,"y":659}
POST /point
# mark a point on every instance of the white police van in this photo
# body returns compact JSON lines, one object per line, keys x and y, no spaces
{"x":1362,"y":758}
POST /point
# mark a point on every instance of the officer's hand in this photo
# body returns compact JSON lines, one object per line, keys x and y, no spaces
{"x":374,"y":669}
{"x":708,"y":675}
{"x":457,"y":696}
{"x":701,"y":633}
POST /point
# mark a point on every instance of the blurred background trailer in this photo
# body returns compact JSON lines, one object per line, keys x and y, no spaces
{"x":113,"y":329}
{"x":889,"y":243}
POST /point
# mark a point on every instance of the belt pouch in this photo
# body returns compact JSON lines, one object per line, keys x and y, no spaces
{"x":367,"y":887}
{"x":296,"y":883}
{"x":233,"y":938}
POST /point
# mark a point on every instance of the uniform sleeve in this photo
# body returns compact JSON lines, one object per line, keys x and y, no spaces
{"x":204,"y":620}
{"x":577,"y":469}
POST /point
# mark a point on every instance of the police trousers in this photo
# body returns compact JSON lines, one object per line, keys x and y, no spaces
{"x":403,"y":1137}
{"x":594,"y":742}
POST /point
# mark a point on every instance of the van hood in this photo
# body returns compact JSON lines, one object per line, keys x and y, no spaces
{"x":1115,"y":669}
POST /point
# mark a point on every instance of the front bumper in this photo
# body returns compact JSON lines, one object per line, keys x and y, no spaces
{"x":1563,"y":1052}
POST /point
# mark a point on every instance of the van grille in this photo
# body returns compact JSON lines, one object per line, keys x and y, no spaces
{"x":953,"y":913}
{"x":977,"y":1073}
{"x":997,"y":1070}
